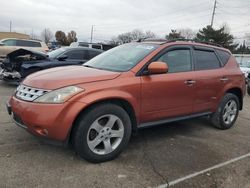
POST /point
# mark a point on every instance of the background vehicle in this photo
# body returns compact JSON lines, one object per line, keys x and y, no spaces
{"x":10,"y":44}
{"x":53,"y":45}
{"x":100,"y":46}
{"x":97,"y":106}
{"x":248,"y":84}
{"x":21,"y":63}
{"x":245,"y":68}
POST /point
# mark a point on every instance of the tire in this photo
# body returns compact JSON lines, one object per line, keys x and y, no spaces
{"x":106,"y":124}
{"x":226,"y":115}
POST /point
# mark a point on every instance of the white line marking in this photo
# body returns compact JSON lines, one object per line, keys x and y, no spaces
{"x":174,"y":182}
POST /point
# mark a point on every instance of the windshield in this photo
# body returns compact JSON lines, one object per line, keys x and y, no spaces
{"x":245,"y":64}
{"x":54,"y":54}
{"x":122,"y":58}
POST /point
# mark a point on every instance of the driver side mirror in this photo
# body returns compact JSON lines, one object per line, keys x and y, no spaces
{"x":157,"y":68}
{"x":62,"y":57}
{"x":1,"y":44}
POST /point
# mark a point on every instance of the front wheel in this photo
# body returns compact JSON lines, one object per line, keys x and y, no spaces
{"x":227,"y":112}
{"x":102,"y":133}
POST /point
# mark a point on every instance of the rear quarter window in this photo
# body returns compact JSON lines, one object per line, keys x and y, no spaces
{"x":206,"y":60}
{"x":224,"y":56}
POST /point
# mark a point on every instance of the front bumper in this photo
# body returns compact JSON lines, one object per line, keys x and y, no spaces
{"x":52,"y":121}
{"x":16,"y":119}
{"x":11,"y":75}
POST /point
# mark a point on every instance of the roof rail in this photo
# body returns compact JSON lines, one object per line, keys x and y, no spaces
{"x":198,"y":41}
{"x":176,"y":40}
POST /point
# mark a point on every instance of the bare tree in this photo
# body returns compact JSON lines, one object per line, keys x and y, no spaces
{"x":114,"y":41}
{"x":150,"y":34}
{"x":247,"y":36}
{"x":174,"y":34}
{"x":61,"y":37}
{"x":187,"y":33}
{"x":71,"y":37}
{"x":46,"y":35}
{"x":132,"y":36}
{"x":137,"y":34}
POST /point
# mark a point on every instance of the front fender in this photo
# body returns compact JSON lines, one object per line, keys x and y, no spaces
{"x":101,"y":96}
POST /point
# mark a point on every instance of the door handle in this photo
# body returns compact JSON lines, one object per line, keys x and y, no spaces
{"x":224,"y":79}
{"x":190,"y":82}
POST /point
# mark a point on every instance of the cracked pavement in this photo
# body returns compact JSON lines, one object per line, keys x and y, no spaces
{"x":154,"y":156}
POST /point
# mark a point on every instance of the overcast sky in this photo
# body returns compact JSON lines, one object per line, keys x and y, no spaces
{"x":112,"y":17}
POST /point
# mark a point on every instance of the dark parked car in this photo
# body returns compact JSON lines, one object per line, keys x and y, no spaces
{"x":22,"y":62}
{"x":248,"y":84}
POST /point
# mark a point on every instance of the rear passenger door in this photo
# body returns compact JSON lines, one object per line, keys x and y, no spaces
{"x":92,"y":54}
{"x":75,"y":57}
{"x":208,"y":77}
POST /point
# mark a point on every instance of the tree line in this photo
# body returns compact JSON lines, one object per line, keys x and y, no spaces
{"x":61,"y":37}
{"x":221,"y":36}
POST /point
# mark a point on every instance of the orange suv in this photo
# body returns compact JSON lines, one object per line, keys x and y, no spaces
{"x":97,"y":106}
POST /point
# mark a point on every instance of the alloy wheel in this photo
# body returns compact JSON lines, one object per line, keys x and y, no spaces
{"x":105,"y":134}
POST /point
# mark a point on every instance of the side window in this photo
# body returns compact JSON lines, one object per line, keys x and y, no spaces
{"x":206,"y":60}
{"x":76,"y":54}
{"x":28,"y":43}
{"x":9,"y":42}
{"x":83,"y":45}
{"x":93,"y":54}
{"x":224,"y":56}
{"x":36,"y":44}
{"x":177,"y":60}
{"x":96,"y":46}
{"x":22,"y":43}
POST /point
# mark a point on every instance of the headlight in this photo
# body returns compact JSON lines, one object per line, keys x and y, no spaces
{"x":59,"y":95}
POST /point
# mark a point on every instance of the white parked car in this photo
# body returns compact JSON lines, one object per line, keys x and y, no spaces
{"x":99,"y":46}
{"x":10,"y":44}
{"x":245,"y":68}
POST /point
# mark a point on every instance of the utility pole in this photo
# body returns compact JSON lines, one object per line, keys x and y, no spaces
{"x":10,"y":26}
{"x":32,"y":34}
{"x":244,"y":46}
{"x":212,"y":21}
{"x":91,"y":35}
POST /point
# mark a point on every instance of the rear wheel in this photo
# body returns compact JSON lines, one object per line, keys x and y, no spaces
{"x":102,"y":133}
{"x":227,"y":112}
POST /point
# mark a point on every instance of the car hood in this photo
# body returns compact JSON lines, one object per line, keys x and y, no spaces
{"x":65,"y":76}
{"x":22,"y":52}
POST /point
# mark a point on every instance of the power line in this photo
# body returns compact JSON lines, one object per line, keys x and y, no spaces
{"x":158,"y":17}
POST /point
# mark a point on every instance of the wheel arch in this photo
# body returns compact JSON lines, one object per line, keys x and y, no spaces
{"x":238,"y":92}
{"x":126,"y":105}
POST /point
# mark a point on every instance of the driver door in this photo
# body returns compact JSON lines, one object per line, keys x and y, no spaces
{"x":170,"y":94}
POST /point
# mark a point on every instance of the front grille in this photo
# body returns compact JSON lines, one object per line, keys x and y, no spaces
{"x":28,"y":93}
